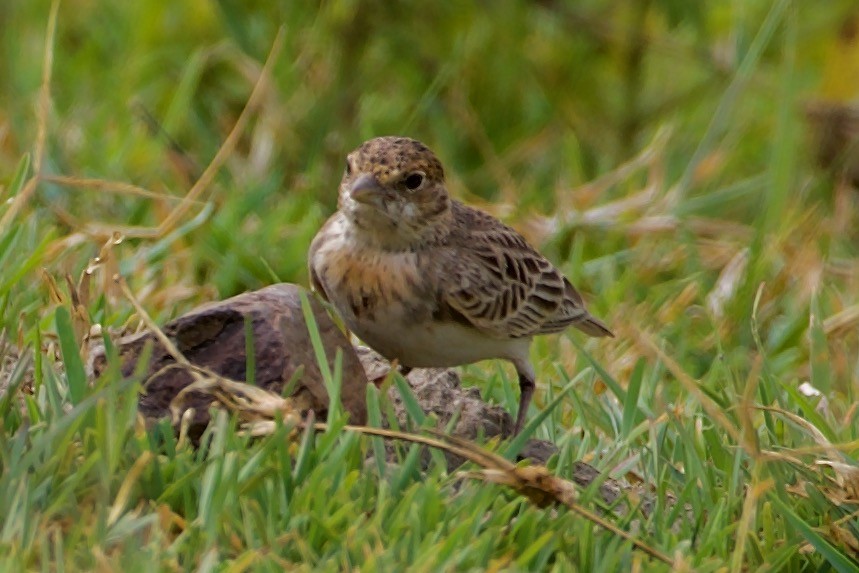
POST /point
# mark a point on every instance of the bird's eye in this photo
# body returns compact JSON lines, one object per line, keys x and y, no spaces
{"x":348,"y":168}
{"x":414,"y":181}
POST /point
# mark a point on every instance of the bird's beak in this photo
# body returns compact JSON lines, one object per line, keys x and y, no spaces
{"x":365,"y":189}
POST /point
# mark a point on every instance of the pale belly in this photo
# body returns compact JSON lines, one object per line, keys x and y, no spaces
{"x":436,"y":344}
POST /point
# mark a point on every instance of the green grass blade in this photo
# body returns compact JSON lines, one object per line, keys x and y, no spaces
{"x":841,"y":562}
{"x":75,"y":373}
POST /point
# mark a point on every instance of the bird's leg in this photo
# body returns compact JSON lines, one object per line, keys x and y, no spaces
{"x":526,"y":390}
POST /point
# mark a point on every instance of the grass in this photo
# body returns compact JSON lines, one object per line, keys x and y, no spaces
{"x":657,"y":152}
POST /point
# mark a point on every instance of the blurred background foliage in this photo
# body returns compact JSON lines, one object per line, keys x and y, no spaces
{"x":518,"y":98}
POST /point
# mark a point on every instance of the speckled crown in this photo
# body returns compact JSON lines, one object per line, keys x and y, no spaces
{"x":387,"y":158}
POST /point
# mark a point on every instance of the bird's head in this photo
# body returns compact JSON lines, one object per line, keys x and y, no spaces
{"x":393,"y":193}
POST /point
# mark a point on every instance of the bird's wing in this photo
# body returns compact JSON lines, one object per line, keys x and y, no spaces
{"x":502,"y":286}
{"x":315,"y":281}
{"x":316,"y":284}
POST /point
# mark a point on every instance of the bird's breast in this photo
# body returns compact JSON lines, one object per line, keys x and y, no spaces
{"x":390,"y":301}
{"x":367,"y":284}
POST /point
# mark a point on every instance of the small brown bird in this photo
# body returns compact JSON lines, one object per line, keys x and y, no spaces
{"x":431,"y":282}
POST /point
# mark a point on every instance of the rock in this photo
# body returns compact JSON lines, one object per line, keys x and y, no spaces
{"x":439,"y":392}
{"x":213,"y":337}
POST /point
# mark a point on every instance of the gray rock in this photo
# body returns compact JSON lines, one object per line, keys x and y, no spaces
{"x":213,"y":336}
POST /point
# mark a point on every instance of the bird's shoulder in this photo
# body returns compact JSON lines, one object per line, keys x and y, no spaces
{"x":471,"y":224}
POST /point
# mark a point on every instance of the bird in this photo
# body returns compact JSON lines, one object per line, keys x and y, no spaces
{"x":429,"y":281}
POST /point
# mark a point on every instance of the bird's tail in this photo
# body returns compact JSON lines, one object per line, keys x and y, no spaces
{"x":593,"y":326}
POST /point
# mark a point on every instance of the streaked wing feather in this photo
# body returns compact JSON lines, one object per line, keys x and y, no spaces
{"x":503,"y":286}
